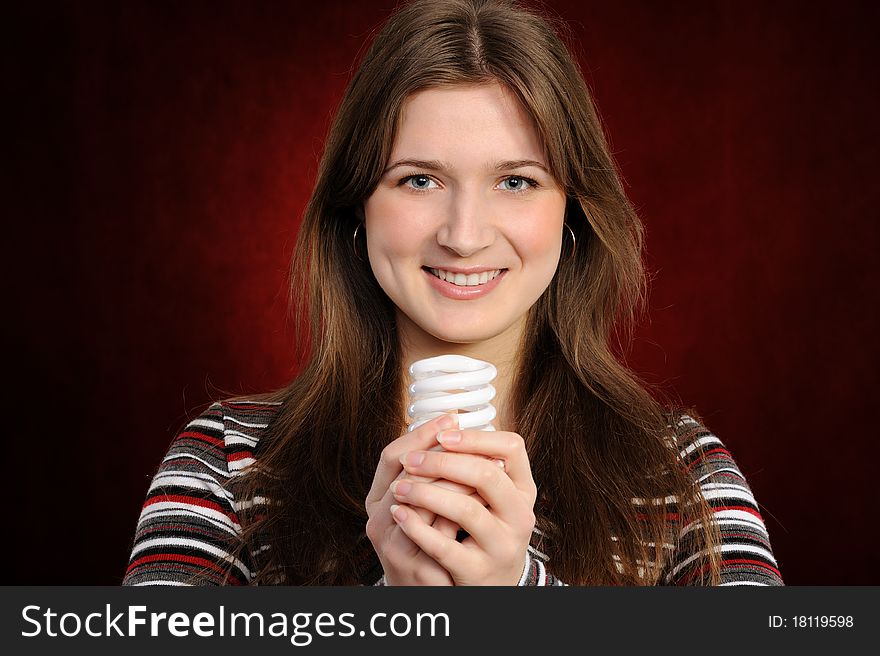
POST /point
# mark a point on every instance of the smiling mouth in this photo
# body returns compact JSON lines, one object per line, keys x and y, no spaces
{"x":465,"y":280}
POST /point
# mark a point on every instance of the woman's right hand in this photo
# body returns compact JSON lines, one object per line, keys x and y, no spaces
{"x":403,"y":561}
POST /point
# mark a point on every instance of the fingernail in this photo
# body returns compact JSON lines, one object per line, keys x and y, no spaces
{"x":398,"y":513}
{"x":500,"y":463}
{"x":449,"y":437}
{"x":413,"y":458}
{"x":401,"y":488}
{"x":447,"y":421}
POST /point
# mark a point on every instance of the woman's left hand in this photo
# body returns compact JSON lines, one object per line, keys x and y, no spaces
{"x":494,"y":553}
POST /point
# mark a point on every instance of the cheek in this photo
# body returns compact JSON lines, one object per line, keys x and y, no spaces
{"x":389,"y":232}
{"x":396,"y":233}
{"x":539,"y":243}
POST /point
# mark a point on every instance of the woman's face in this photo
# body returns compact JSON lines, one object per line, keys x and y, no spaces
{"x":466,"y":193}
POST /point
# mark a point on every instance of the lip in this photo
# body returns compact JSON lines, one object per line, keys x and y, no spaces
{"x":465,"y":271}
{"x":457,"y":293}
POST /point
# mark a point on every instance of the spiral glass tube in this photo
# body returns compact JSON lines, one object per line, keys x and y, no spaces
{"x":449,"y":383}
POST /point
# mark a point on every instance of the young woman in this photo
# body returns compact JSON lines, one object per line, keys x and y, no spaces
{"x":466,"y":203}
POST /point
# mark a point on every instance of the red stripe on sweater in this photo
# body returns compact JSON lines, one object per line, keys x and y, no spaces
{"x":748,"y":561}
{"x":747,"y":536}
{"x":751,"y":511}
{"x":203,"y":437}
{"x":181,"y":558}
{"x":704,"y":454}
{"x":193,"y":501}
{"x":725,"y":562}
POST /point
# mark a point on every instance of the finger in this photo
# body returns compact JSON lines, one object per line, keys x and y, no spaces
{"x":442,"y":524}
{"x":398,"y":547}
{"x":428,"y":479}
{"x":427,"y":516}
{"x":452,"y":486}
{"x":501,"y":445}
{"x":381,"y":526}
{"x":491,"y":483}
{"x":405,"y":555}
{"x":424,"y":437}
{"x":446,"y":526}
{"x":395,"y":540}
{"x":450,"y":554}
{"x":384,"y":507}
{"x":447,"y":485}
{"x":464,"y":511}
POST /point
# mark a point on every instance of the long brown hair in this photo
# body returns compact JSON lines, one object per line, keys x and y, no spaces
{"x":597,"y":437}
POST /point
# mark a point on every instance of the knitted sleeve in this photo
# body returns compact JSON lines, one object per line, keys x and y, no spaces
{"x":188,"y":520}
{"x":745,"y":552}
{"x":535,"y":572}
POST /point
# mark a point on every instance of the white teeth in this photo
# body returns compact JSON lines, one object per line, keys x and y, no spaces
{"x":463,"y":280}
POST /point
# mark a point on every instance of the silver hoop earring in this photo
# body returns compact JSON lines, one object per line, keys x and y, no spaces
{"x":354,"y":239}
{"x":573,"y":242}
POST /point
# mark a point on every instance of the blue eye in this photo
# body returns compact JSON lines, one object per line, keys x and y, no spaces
{"x":418,"y":182}
{"x":518,"y":183}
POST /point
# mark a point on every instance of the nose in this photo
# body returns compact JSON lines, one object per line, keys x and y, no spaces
{"x":468,"y":227}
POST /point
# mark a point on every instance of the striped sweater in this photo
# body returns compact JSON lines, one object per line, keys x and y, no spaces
{"x":189,"y":517}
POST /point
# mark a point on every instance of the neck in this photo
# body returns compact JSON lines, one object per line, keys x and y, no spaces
{"x":500,"y":350}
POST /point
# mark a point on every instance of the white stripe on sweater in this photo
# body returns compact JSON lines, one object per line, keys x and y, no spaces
{"x":192,"y":481}
{"x":707,"y":439}
{"x":730,"y":493}
{"x":722,"y":549}
{"x":542,"y":573}
{"x":195,"y":544}
{"x":234,"y":437}
{"x":206,"y":423}
{"x":640,"y":501}
{"x":190,"y":456}
{"x":526,"y":568}
{"x":193,"y":509}
{"x":250,"y":503}
{"x":244,"y":423}
{"x":728,"y":485}
{"x":162,"y":582}
{"x":732,"y":470}
{"x":227,"y":525}
{"x":539,"y":554}
{"x":730,"y":583}
{"x":729,"y":518}
{"x":235,"y":466}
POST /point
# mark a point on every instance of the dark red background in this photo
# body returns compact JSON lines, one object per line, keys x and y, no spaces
{"x":162,"y":154}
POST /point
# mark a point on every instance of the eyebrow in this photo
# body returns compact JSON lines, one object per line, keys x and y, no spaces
{"x":436,"y":165}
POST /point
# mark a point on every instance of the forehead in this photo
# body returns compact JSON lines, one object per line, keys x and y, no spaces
{"x":476,"y":116}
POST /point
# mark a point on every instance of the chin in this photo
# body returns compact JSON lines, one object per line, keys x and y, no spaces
{"x":465,"y":334}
